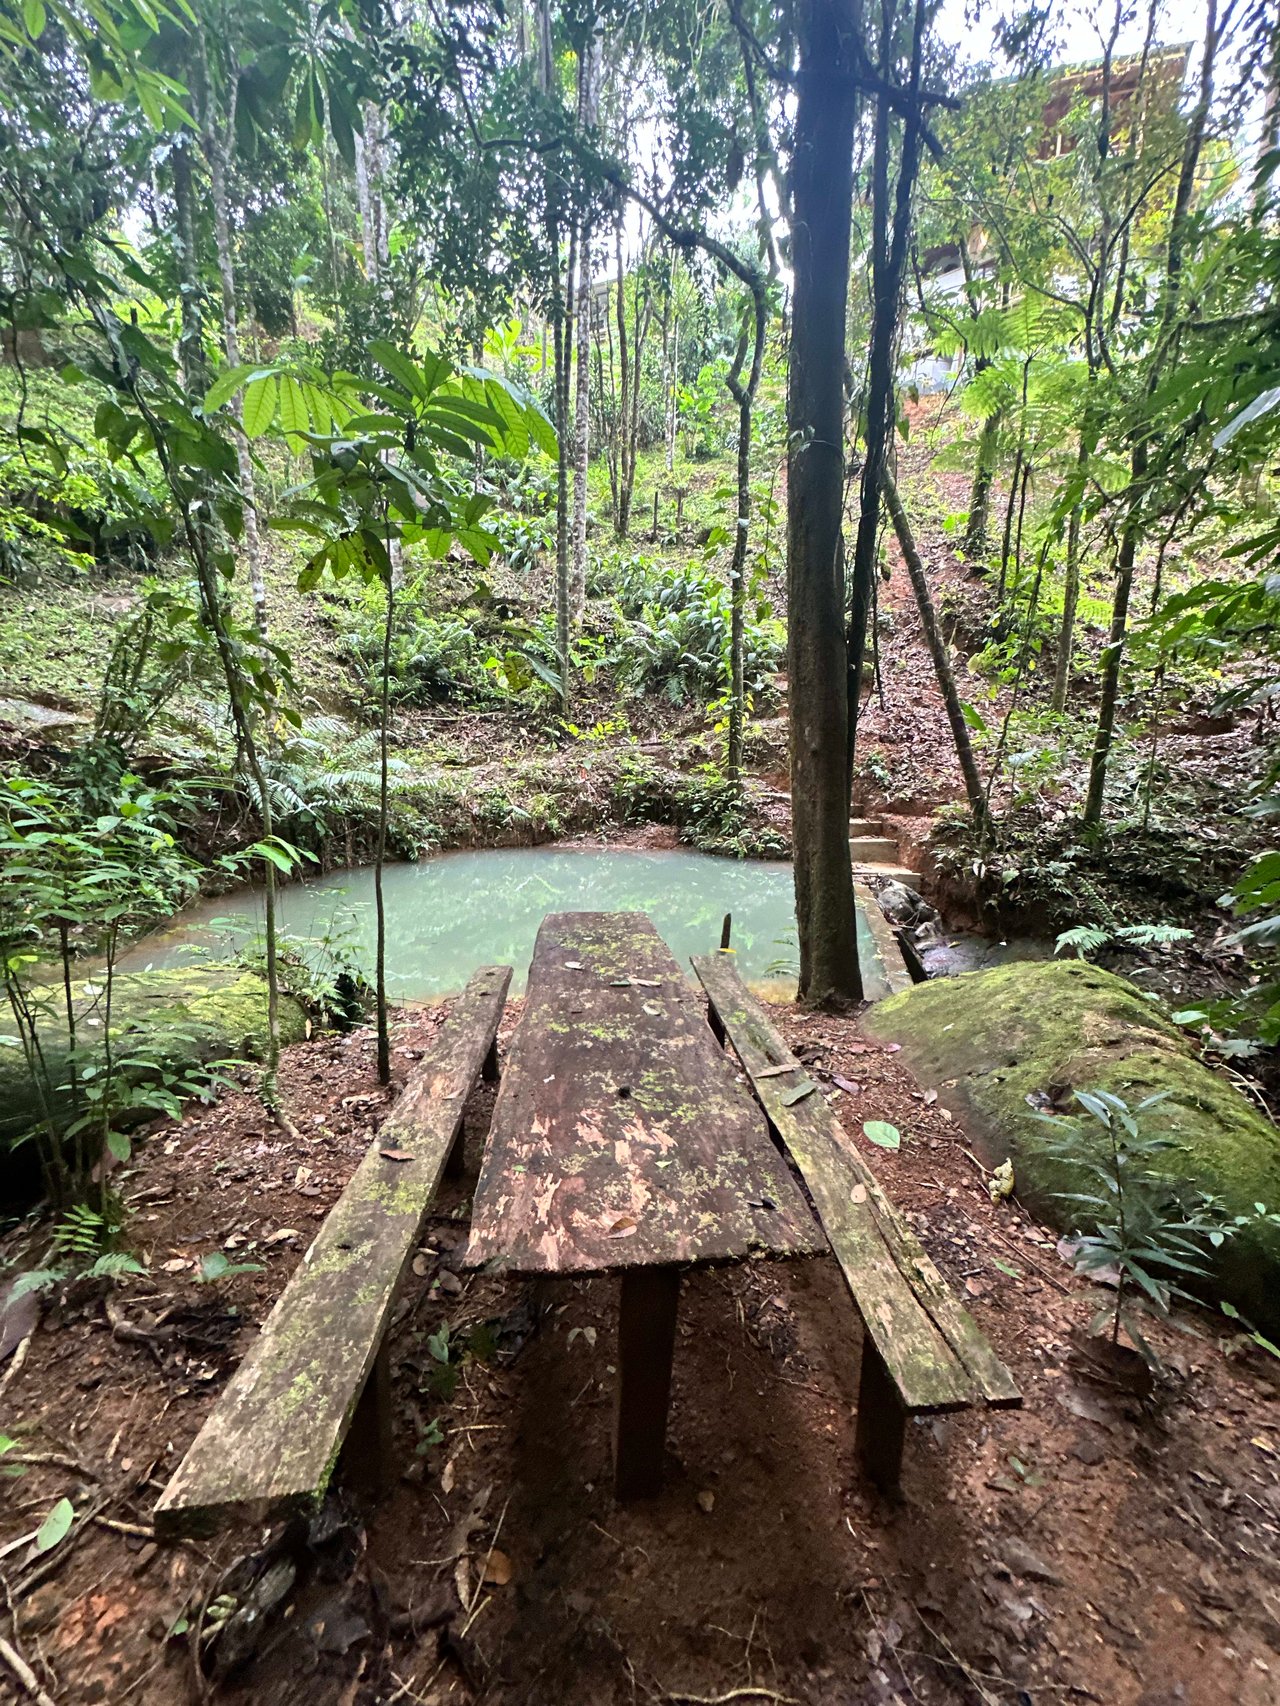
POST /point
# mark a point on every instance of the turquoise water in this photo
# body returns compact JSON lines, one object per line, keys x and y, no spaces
{"x":448,"y":914}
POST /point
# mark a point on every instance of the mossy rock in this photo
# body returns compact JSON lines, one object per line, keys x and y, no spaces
{"x":988,"y":1041}
{"x":193,"y":1013}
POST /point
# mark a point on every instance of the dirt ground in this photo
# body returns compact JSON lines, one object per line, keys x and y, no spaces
{"x":1094,"y":1546}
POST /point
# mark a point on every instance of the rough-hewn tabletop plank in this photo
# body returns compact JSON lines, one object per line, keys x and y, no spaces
{"x":271,"y":1443}
{"x":933,"y":1348}
{"x":621,"y":1134}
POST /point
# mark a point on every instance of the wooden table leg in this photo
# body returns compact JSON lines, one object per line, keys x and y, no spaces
{"x":882,"y":1420}
{"x":455,"y":1162}
{"x":367,"y":1456}
{"x":646,"y":1341}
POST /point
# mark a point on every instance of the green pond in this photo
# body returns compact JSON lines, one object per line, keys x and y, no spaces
{"x":455,"y":911}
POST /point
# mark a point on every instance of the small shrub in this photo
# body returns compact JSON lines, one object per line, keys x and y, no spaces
{"x":676,"y":639}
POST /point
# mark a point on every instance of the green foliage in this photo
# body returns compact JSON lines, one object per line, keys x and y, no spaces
{"x":434,"y":659}
{"x":676,"y":640}
{"x":523,"y":541}
{"x":322,"y":972}
{"x":76,"y":873}
{"x":1139,"y":1230}
{"x":217,"y":1266}
{"x":1087,"y":939}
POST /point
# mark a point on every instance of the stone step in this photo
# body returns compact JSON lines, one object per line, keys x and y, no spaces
{"x":876,"y":849}
{"x":859,"y":826}
{"x":868,"y":871}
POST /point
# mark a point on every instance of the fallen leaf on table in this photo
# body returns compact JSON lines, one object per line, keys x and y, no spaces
{"x":396,"y":1154}
{"x":622,"y":1227}
{"x":882,"y":1133}
{"x":777,"y":1071}
{"x":799,"y":1093}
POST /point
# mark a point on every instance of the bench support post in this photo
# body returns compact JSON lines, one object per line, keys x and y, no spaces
{"x":367,"y":1455}
{"x":646,"y":1343}
{"x":455,"y":1162}
{"x":881,"y":1421}
{"x":717,"y":1028}
{"x":490,"y":1071}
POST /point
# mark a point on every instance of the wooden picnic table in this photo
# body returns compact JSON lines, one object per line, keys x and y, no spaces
{"x":623,"y":1142}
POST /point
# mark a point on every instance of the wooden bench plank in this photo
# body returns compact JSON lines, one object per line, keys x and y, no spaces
{"x":932,"y":1348}
{"x":272,"y":1440}
{"x":621,"y":1136}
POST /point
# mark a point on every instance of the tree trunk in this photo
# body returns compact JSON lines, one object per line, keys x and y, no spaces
{"x":938,"y":652}
{"x":364,"y":200}
{"x":822,"y":198}
{"x":380,"y":963}
{"x":1126,"y":556}
{"x":216,"y":159}
{"x":889,"y":251}
{"x":1070,"y":600}
{"x":744,"y":396}
{"x":581,"y":437}
{"x":589,"y":75}
{"x":974,"y":545}
{"x":622,"y":417}
{"x":562,"y":332}
{"x":673,"y":414}
{"x":190,"y":338}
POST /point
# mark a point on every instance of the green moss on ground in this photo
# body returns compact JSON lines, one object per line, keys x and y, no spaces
{"x":993,"y":1039}
{"x":186,"y":1014}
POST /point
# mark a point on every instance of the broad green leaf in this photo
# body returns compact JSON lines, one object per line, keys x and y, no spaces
{"x":226,"y":385}
{"x":294,"y":416}
{"x":34,"y":17}
{"x":883,"y":1134}
{"x":260,"y":405}
{"x":56,"y":1526}
{"x":399,"y":366}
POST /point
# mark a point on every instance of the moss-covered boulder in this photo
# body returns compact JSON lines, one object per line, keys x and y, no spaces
{"x":997,"y":1044}
{"x":186,"y":1014}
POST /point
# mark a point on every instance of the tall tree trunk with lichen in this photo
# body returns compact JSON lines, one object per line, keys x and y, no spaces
{"x":822,"y":198}
{"x":216,"y":132}
{"x":1163,"y":347}
{"x":752,"y":337}
{"x":890,"y":247}
{"x":590,"y":70}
